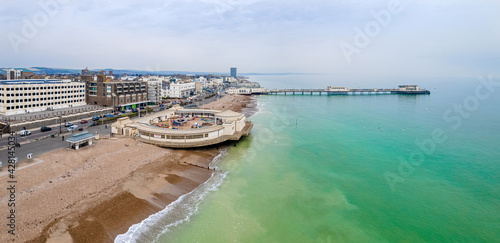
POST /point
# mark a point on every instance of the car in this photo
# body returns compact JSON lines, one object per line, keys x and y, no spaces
{"x":83,"y":121}
{"x":71,"y":128}
{"x":134,"y":110}
{"x":110,"y":115}
{"x":80,"y":129}
{"x":68,"y":124}
{"x":116,"y":113}
{"x":95,"y":118}
{"x":24,"y":133}
{"x":128,"y":111}
{"x":45,"y":129}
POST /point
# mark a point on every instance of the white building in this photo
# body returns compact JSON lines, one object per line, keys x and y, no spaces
{"x":239,"y":91}
{"x":409,"y":88}
{"x":216,"y":81}
{"x":258,"y":90}
{"x":13,"y":74}
{"x":32,"y":95}
{"x":165,"y":90}
{"x":330,"y":88}
{"x":154,"y":91}
{"x":154,"y":84}
{"x":229,"y":80}
{"x":225,"y":125}
{"x":202,"y":80}
{"x":128,"y":78}
{"x":181,"y":89}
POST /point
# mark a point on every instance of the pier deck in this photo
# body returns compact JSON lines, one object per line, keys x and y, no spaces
{"x":345,"y":92}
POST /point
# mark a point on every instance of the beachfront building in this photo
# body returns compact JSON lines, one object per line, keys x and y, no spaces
{"x":181,"y":89}
{"x":154,"y":84}
{"x":81,"y":139}
{"x":239,"y":91}
{"x":32,"y":95}
{"x":185,"y":128}
{"x":121,"y":95}
{"x":245,"y":87}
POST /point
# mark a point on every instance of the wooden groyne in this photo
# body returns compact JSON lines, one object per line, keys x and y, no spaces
{"x":202,"y":167}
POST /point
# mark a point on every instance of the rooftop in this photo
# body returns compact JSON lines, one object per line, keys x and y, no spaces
{"x":80,"y":137}
{"x":34,"y":81}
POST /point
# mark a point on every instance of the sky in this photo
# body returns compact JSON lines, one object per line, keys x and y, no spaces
{"x":384,"y":39}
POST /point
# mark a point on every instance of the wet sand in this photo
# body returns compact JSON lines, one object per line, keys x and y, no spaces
{"x":98,"y":192}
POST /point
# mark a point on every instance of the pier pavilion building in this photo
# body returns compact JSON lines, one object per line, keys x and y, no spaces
{"x":185,"y":128}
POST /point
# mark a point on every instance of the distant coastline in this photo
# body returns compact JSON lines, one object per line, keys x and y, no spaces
{"x":50,"y":70}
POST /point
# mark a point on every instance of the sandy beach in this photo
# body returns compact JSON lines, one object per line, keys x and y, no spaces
{"x":98,"y":192}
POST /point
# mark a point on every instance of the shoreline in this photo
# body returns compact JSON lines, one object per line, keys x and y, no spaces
{"x":99,"y":192}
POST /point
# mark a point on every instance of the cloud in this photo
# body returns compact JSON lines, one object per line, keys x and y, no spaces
{"x":257,"y":36}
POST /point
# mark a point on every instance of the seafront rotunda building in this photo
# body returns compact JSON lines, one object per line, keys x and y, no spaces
{"x":185,"y":128}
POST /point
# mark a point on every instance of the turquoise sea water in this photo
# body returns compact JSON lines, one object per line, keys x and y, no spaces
{"x":351,"y":169}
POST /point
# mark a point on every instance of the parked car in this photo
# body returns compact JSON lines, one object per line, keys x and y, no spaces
{"x":110,"y":115}
{"x":95,"y":118}
{"x":71,"y":128}
{"x":116,"y":113}
{"x":128,"y":111}
{"x":45,"y":129}
{"x":68,"y":124}
{"x":80,"y":129}
{"x":83,"y":121}
{"x":134,"y":110}
{"x":24,"y":133}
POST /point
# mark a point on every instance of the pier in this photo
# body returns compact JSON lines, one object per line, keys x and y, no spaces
{"x":403,"y":89}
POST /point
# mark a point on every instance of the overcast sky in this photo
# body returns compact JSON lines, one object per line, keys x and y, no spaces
{"x":449,"y":38}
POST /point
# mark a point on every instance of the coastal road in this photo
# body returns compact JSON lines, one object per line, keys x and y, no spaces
{"x":45,"y":145}
{"x":36,"y":133}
